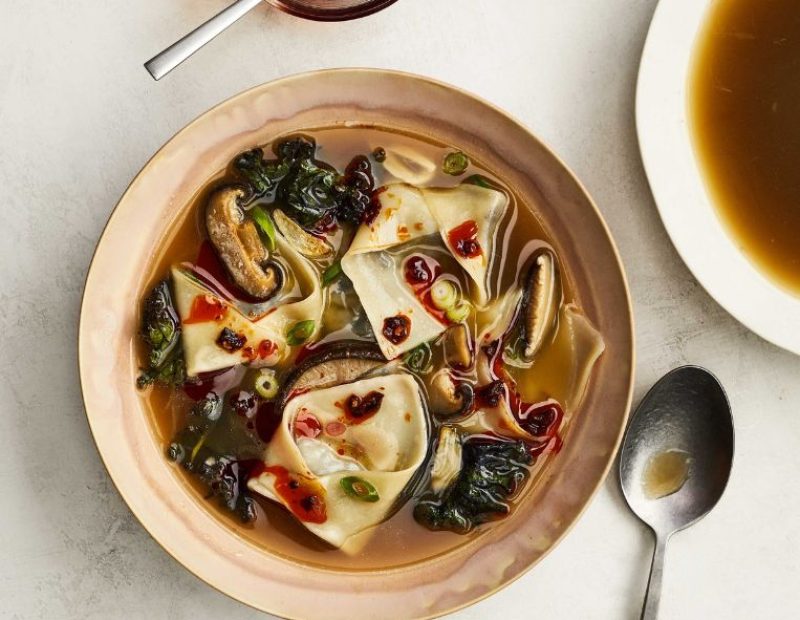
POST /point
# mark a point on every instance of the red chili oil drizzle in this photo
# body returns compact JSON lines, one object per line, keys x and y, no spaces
{"x":359,"y":409}
{"x":396,"y":329}
{"x":463,"y":239}
{"x":206,"y":308}
{"x":264,"y":350}
{"x":304,"y":497}
{"x":209,"y":269}
{"x":421,"y":272}
{"x":218,"y":382}
{"x":268,"y":419}
{"x":542,"y":420}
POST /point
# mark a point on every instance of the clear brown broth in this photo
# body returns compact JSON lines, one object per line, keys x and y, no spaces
{"x":744,"y":98}
{"x":399,"y":540}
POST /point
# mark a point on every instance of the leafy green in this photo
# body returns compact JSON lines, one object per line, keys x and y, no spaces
{"x":308,"y":190}
{"x":161,"y":331}
{"x":262,"y":175}
{"x":223,"y":475}
{"x":265,"y":225}
{"x":492,"y":473}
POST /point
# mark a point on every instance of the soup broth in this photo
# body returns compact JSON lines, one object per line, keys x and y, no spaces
{"x":744,"y":97}
{"x":544,"y":391}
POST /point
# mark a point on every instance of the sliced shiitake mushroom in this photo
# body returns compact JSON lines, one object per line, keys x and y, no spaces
{"x":447,"y":398}
{"x":447,"y":459}
{"x":239,"y":246}
{"x":340,"y":363}
{"x":458,"y":347}
{"x":540,"y":302}
{"x":304,"y":242}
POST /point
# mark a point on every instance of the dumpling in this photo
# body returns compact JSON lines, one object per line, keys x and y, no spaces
{"x":344,"y":454}
{"x":399,"y":321}
{"x":216,"y":334}
{"x":468,"y":217}
{"x":407,"y":214}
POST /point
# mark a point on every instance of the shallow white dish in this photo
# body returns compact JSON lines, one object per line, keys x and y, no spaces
{"x":679,"y":189}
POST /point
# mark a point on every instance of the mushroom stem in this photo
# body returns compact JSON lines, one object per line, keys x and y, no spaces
{"x":239,"y":246}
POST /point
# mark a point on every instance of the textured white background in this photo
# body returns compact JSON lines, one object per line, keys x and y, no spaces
{"x":78,"y":118}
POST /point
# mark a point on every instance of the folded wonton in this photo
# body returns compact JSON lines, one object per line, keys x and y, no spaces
{"x":344,"y":454}
{"x":407,"y":215}
{"x":204,"y":315}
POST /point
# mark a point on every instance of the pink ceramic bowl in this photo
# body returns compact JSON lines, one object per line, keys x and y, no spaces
{"x":150,"y":485}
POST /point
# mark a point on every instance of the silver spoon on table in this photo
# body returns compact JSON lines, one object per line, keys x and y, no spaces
{"x":676,"y":459}
{"x":161,"y":64}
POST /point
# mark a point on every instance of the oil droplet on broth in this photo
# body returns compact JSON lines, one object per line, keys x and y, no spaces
{"x":666,"y":473}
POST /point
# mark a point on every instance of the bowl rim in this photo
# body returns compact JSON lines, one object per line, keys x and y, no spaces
{"x":630,"y":352}
{"x":681,"y":194}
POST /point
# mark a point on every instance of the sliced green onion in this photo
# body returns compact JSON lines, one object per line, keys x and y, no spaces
{"x":444,"y":294}
{"x":359,"y":489}
{"x":455,"y":163}
{"x":332,"y":273}
{"x":299,"y":332}
{"x":265,"y":224}
{"x":479,"y":180}
{"x":459,"y":312}
{"x":266,"y":384}
{"x":419,"y":358}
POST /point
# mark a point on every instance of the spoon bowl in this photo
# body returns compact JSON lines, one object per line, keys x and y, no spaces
{"x":676,"y":458}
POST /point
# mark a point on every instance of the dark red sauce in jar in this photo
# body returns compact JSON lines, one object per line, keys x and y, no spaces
{"x":304,"y":497}
{"x":463,"y":239}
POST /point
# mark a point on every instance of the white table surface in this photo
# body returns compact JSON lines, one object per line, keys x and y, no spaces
{"x":78,"y":118}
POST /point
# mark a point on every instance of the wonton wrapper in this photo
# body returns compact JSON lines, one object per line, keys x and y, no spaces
{"x":408,"y":214}
{"x":393,"y":444}
{"x":574,"y":334}
{"x":452,"y":207}
{"x":200,"y":349}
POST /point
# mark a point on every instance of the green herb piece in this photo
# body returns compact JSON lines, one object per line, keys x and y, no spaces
{"x":300,"y":332}
{"x":266,"y":385}
{"x":359,"y":489}
{"x":492,"y":473}
{"x":444,"y":294}
{"x":459,"y":311}
{"x":479,"y":180}
{"x":332,"y":273}
{"x":161,"y":330}
{"x":265,"y":224}
{"x":419,"y":359}
{"x":455,"y":163}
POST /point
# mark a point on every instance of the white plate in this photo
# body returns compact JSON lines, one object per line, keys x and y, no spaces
{"x":679,"y":189}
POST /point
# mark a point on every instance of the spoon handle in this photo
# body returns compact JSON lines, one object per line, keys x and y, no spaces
{"x":653,"y":596}
{"x":158,"y":66}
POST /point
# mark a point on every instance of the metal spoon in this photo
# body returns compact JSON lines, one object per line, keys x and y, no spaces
{"x":161,"y":64}
{"x":676,"y":459}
